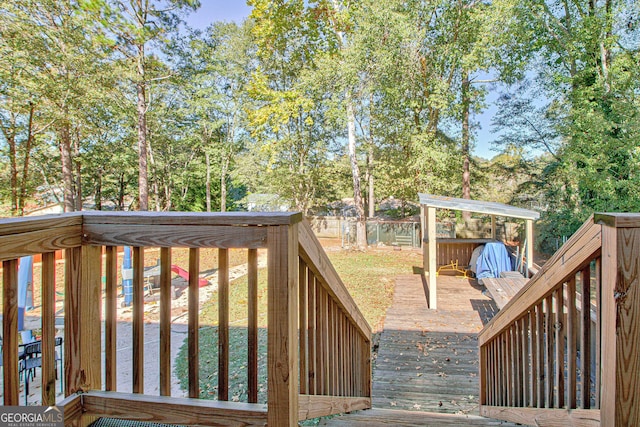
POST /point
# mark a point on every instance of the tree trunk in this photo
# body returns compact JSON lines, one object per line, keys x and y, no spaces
{"x":208,"y":183}
{"x":143,"y":183}
{"x":25,"y":165}
{"x":67,"y":167}
{"x":78,"y":180}
{"x":466,"y":176}
{"x":361,"y":229}
{"x":97,"y":196}
{"x":13,"y":165}
{"x":372,"y":199}
{"x":223,"y":184}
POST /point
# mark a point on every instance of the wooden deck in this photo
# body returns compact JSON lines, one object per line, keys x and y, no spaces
{"x":426,"y":371}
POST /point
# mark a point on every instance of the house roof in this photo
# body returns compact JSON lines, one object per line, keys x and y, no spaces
{"x":479,"y":206}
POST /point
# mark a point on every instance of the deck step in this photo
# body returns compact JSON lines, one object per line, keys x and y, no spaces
{"x":401,"y":418}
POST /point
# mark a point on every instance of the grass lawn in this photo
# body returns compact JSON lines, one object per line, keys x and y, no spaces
{"x":369,"y":277}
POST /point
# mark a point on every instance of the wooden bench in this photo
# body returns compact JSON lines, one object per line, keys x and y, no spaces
{"x":504,"y":288}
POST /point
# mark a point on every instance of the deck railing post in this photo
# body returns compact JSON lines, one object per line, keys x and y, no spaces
{"x":620,"y":320}
{"x":83,"y":296}
{"x":282,"y":349}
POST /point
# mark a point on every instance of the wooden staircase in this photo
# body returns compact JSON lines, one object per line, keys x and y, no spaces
{"x":400,"y":418}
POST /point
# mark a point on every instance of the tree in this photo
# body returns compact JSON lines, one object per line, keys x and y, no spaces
{"x":133,"y":25}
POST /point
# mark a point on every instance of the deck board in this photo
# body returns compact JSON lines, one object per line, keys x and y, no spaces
{"x":426,"y":370}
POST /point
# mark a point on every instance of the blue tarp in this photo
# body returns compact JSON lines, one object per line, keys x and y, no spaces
{"x":493,"y":261}
{"x":25,"y":283}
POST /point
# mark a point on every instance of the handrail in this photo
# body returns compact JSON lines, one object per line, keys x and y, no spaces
{"x":316,"y":259}
{"x":580,"y":249}
{"x":335,"y":338}
{"x":308,"y":305}
{"x":544,"y":360}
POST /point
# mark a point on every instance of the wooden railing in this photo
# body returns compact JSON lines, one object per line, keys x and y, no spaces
{"x":318,"y":352}
{"x":566,"y":349}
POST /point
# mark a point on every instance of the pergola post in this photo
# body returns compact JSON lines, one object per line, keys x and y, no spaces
{"x":529,"y":248}
{"x":429,"y":253}
{"x":493,"y":227}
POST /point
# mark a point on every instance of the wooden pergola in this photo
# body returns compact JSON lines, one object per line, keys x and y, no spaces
{"x":428,"y":205}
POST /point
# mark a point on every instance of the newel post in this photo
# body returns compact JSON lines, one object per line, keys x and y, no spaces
{"x":82,"y":314}
{"x":620,"y":320}
{"x":282,"y":349}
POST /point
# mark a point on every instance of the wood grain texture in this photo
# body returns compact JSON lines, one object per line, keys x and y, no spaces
{"x":577,"y":252}
{"x":72,"y":408}
{"x":312,"y":333}
{"x":22,"y":225}
{"x":585,"y":339}
{"x":572,"y":356}
{"x":223,"y":324}
{"x":178,"y":235}
{"x":560,"y":335}
{"x":282,"y":317}
{"x":72,"y":318}
{"x":173,"y":410}
{"x":618,"y":220}
{"x":90,"y":317}
{"x":166,"y":295}
{"x":48,"y":296}
{"x":111,"y":318}
{"x":321,"y":406}
{"x":316,"y":259}
{"x":138,"y":319}
{"x":36,"y":242}
{"x":429,"y":257}
{"x":303,"y":312}
{"x":252,"y":326}
{"x":10,"y":331}
{"x":193,"y":334}
{"x":544,"y":417}
{"x":608,"y":312}
{"x":621,"y":332}
{"x":192,"y":218}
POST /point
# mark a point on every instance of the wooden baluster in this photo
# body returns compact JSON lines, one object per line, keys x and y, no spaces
{"x":111,"y":318}
{"x":548,"y":319}
{"x":319,"y":339}
{"x":526,"y":371}
{"x":517,"y":363}
{"x":325,"y":342}
{"x":138,"y":320}
{"x":82,"y":311}
{"x":223,"y":324}
{"x":585,"y":338}
{"x":511,"y":364}
{"x":501,"y":371}
{"x":10,"y":331}
{"x":312,"y":333}
{"x":541,"y":378}
{"x":165,"y":321}
{"x":193,"y":335}
{"x":302,"y":284}
{"x":571,"y":343}
{"x":560,"y":343}
{"x":484,"y":393}
{"x":332,"y":347}
{"x":533,"y":342}
{"x":598,"y":289}
{"x":49,"y":329}
{"x":252,"y":338}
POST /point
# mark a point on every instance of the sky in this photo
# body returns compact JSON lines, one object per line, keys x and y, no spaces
{"x":237,"y":10}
